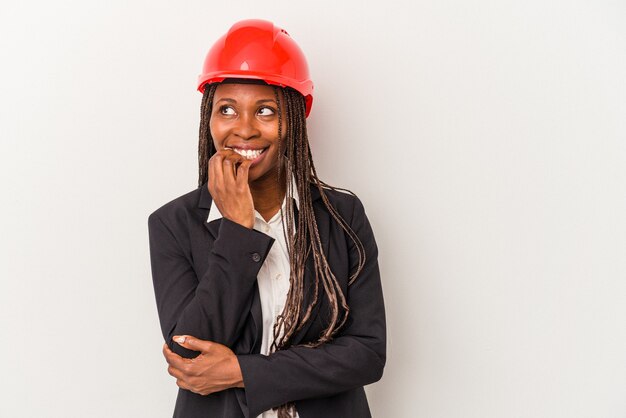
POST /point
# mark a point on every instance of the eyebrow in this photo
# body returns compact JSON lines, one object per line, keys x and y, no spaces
{"x":229,"y":100}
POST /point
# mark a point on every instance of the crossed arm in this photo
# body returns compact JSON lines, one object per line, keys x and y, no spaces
{"x":215,"y":306}
{"x":354,"y":358}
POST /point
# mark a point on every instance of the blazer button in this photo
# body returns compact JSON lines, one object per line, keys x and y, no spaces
{"x":256,"y":257}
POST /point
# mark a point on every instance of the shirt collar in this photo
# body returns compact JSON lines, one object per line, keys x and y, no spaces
{"x":214,"y":212}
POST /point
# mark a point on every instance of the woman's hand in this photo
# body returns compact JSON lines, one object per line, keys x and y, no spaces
{"x":214,"y":370}
{"x":228,"y":185}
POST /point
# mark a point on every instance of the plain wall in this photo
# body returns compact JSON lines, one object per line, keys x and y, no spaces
{"x":486,"y":140}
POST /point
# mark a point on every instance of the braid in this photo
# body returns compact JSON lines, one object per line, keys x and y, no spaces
{"x":296,"y":159}
{"x":206,"y":148}
{"x":306,"y":239}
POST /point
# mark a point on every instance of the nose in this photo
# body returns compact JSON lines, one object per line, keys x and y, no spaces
{"x":246,"y":126}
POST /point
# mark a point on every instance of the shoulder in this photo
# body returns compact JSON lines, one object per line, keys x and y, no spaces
{"x":350,"y":208}
{"x":179,"y":209}
{"x":347,"y":203}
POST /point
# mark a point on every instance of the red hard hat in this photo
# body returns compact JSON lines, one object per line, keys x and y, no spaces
{"x":257,"y":49}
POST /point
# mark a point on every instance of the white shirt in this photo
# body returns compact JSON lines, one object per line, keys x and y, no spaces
{"x":273,"y":277}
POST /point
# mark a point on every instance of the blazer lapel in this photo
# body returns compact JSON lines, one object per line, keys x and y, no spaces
{"x":204,"y":202}
{"x":213,"y":227}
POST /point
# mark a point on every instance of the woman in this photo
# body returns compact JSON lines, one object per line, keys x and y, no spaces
{"x":266,"y":278}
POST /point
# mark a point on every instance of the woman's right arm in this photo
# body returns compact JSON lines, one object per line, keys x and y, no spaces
{"x":215,"y":306}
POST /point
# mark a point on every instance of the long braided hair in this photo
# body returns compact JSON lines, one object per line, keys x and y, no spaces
{"x":297,"y":162}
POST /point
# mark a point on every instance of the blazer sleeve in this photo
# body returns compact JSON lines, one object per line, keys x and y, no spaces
{"x":354,"y":358}
{"x":215,"y":306}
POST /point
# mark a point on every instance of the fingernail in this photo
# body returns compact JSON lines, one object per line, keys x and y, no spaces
{"x":179,"y":340}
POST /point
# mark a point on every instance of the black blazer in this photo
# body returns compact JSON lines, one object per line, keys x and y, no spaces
{"x":204,"y":277}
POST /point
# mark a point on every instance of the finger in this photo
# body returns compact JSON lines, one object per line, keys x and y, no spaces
{"x":230,"y":168}
{"x":216,"y":168}
{"x":243,"y":172}
{"x":193,"y":343}
{"x":182,"y":384}
{"x":175,"y":360}
{"x":177,"y":373}
{"x":215,"y":172}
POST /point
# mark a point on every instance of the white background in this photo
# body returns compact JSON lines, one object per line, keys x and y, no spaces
{"x":486,"y":140}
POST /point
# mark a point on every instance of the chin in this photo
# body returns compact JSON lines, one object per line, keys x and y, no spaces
{"x":259,"y":173}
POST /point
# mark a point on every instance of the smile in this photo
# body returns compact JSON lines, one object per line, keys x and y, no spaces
{"x":249,"y":154}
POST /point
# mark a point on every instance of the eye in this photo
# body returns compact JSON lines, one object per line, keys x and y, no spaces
{"x":227,"y":110}
{"x":266,"y":111}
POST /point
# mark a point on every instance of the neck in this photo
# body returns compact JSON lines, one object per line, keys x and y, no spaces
{"x":268,"y":192}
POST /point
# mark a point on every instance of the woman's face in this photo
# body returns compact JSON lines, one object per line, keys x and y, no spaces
{"x":245,"y":118}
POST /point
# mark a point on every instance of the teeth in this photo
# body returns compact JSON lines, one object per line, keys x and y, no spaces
{"x":248,"y":153}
